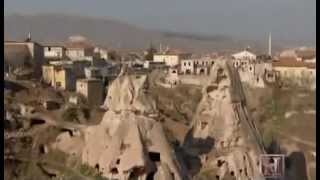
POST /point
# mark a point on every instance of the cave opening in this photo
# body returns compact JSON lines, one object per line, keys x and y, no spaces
{"x":97,"y":167}
{"x":219,"y":163}
{"x":114,"y":170}
{"x":42,"y":149}
{"x":36,"y":121}
{"x":151,"y":176}
{"x":154,"y":156}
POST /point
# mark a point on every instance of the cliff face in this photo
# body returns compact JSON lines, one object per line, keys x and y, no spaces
{"x":130,"y":93}
{"x":234,"y":152}
{"x":127,"y":142}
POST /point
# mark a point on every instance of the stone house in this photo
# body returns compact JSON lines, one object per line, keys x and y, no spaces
{"x":243,"y":58}
{"x":105,"y":54}
{"x":298,"y":54}
{"x":92,"y":72}
{"x":170,"y":58}
{"x":60,"y":76}
{"x":54,"y":52}
{"x":79,"y":67}
{"x":78,"y":48}
{"x":298,"y":72}
{"x":27,"y":55}
{"x":196,"y":66}
{"x":92,"y":89}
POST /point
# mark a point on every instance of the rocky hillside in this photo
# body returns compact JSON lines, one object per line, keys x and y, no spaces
{"x":234,"y":151}
{"x":129,"y":142}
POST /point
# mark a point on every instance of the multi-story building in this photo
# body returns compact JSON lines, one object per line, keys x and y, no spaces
{"x":78,"y":48}
{"x":294,"y":69}
{"x":170,"y":58}
{"x":54,"y":52}
{"x":196,"y":65}
{"x":243,"y":58}
{"x":59,"y":75}
{"x":92,"y":89}
{"x":27,"y":54}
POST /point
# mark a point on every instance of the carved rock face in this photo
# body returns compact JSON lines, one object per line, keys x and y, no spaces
{"x":126,"y":144}
{"x":130,"y":93}
{"x":215,"y":118}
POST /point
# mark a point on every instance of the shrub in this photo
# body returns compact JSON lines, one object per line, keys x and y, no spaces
{"x":70,"y":114}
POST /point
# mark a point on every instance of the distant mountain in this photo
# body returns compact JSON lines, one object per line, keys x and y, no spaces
{"x":56,"y":28}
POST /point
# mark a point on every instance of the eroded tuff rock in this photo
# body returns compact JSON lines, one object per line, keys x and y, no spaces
{"x":126,"y":143}
{"x":129,"y":93}
{"x":233,"y":153}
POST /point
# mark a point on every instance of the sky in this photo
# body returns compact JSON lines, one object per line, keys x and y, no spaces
{"x":292,"y":20}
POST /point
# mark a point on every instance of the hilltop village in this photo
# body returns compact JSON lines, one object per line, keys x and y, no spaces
{"x":83,"y":111}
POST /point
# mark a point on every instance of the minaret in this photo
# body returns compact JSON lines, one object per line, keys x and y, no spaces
{"x":269,"y":48}
{"x":160,"y":50}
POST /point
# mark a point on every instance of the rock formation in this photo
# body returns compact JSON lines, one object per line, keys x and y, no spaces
{"x":234,"y":152}
{"x":127,"y":143}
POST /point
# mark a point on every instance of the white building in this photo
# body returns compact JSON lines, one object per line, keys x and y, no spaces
{"x":170,"y":58}
{"x":102,"y":53}
{"x":92,"y":72}
{"x":78,"y":48}
{"x":54,"y":52}
{"x":243,"y":59}
{"x":244,"y":55}
{"x":196,"y":66}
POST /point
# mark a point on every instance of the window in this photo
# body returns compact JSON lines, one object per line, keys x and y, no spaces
{"x":189,"y":64}
{"x":212,"y":63}
{"x":49,"y":48}
{"x":185,"y":63}
{"x":58,"y":84}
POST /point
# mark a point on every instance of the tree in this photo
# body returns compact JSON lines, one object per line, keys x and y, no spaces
{"x":150,"y":52}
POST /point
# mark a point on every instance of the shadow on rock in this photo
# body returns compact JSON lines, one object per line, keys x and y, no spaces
{"x":191,"y":149}
{"x":295,"y":163}
{"x":9,"y":85}
{"x":296,"y":166}
{"x":197,"y":146}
